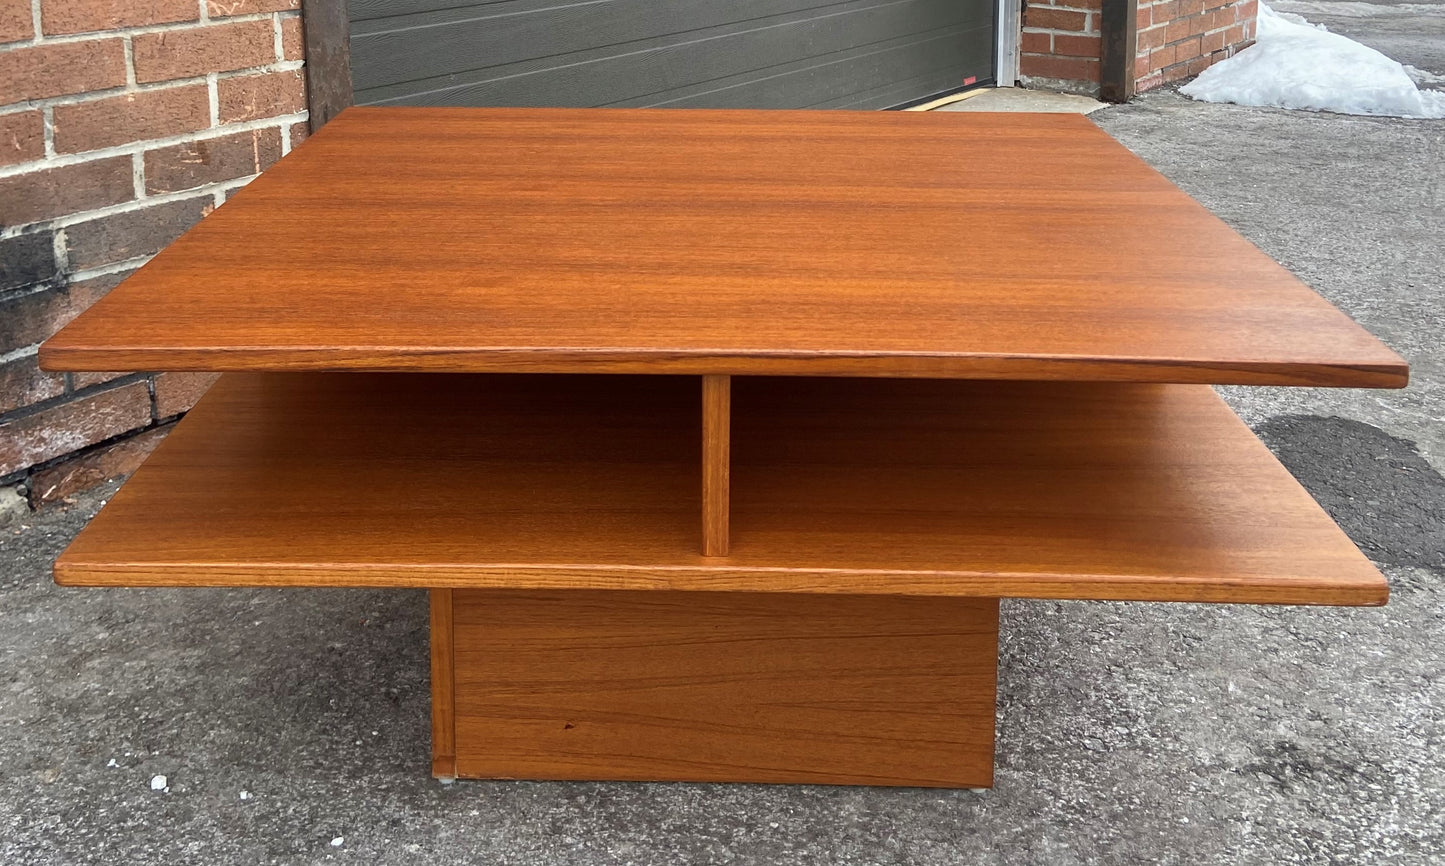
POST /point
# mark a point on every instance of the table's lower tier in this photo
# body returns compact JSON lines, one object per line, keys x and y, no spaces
{"x":729,"y":687}
{"x":846,"y":486}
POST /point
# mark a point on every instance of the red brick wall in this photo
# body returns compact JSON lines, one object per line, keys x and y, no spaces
{"x":122,"y":123}
{"x":1059,"y":46}
{"x":1060,"y":43}
{"x":1180,"y":38}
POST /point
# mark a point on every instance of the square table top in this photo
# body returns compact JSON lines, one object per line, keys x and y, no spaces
{"x":949,"y":245}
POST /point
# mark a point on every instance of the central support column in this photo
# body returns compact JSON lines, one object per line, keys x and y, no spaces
{"x":716,"y":463}
{"x":659,"y":685}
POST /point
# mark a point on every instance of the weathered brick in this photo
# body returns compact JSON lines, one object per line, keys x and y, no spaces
{"x":1246,"y":11}
{"x":91,"y":378}
{"x":113,"y":461}
{"x":26,"y":260}
{"x":249,"y":97}
{"x":1149,"y":82}
{"x":1176,"y":30}
{"x":1150,"y":39}
{"x":61,"y":429}
{"x":1197,"y":65}
{"x":1054,"y":19}
{"x":1187,"y":50}
{"x":211,"y":160}
{"x":1036,"y":43}
{"x":1162,"y":58}
{"x":222,"y":8}
{"x":81,"y":16}
{"x":41,"y":195}
{"x":131,"y":234}
{"x":1175,"y":72}
{"x":28,"y":319}
{"x":22,"y":137}
{"x":22,"y":383}
{"x":178,"y":392}
{"x":1076,"y":46}
{"x":60,"y":69}
{"x":1070,"y":68}
{"x":131,"y":117}
{"x":1212,"y":42}
{"x":1144,"y":17}
{"x":15,"y":22}
{"x":300,"y":131}
{"x":1190,"y":7}
{"x":293,"y":39}
{"x":194,"y":51}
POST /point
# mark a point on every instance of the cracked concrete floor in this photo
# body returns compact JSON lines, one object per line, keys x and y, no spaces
{"x":1127,"y":732}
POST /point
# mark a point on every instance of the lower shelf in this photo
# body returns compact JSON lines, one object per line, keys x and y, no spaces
{"x":847,"y":486}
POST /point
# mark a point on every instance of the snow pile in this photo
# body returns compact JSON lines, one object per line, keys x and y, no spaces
{"x":1294,"y":64}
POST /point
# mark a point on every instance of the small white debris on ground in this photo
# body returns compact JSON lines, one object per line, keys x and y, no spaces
{"x":112,"y":763}
{"x":338,"y":841}
{"x":1295,"y":64}
{"x":158,"y":783}
{"x":245,"y":795}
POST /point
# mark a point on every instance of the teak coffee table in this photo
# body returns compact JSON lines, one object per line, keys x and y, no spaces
{"x":718,"y":435}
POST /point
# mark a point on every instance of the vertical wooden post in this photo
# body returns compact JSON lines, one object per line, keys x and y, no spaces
{"x":443,"y":687}
{"x":716,"y":462}
{"x":327,"y":28}
{"x":1118,"y":23}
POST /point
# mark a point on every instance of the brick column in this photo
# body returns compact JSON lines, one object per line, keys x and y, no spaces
{"x":1060,"y":44}
{"x":121,"y":125}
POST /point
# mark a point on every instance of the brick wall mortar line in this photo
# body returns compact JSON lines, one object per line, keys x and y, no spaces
{"x":24,"y":475}
{"x":1052,"y":32}
{"x":69,"y":159}
{"x":98,"y":35}
{"x":19,"y":354}
{"x":138,"y":174}
{"x":154,"y":200}
{"x":47,"y":119}
{"x":122,"y":90}
{"x":276,"y":37}
{"x":116,"y":267}
{"x":213,"y":98}
{"x":128,"y":48}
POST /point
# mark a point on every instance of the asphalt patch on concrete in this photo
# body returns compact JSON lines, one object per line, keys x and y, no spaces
{"x":1377,"y":487}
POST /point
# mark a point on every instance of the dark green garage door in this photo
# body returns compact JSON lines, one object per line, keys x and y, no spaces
{"x":693,"y":53}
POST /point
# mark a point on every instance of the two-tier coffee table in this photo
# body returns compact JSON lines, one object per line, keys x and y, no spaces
{"x":717,"y":436}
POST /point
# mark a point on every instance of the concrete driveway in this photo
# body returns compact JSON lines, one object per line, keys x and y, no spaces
{"x":292,"y":725}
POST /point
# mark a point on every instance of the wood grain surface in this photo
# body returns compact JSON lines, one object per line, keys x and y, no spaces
{"x":443,"y":703}
{"x":728,"y":687}
{"x":716,"y":463}
{"x":922,"y":244}
{"x":862,"y":486}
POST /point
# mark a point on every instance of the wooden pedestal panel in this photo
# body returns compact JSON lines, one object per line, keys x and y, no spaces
{"x":702,"y":686}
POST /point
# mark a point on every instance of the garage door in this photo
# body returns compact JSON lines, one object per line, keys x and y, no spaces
{"x":684,"y":53}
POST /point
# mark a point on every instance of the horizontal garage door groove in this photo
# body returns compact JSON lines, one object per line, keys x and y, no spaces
{"x":674,"y":52}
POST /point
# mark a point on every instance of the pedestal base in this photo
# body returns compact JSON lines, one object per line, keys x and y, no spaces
{"x":702,"y":686}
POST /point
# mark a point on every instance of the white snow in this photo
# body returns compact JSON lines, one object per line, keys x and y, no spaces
{"x":112,"y":763}
{"x":1294,"y":64}
{"x":245,"y":795}
{"x":338,"y":841}
{"x":158,"y":783}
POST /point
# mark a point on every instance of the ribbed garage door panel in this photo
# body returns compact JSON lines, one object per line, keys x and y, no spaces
{"x":695,"y":53}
